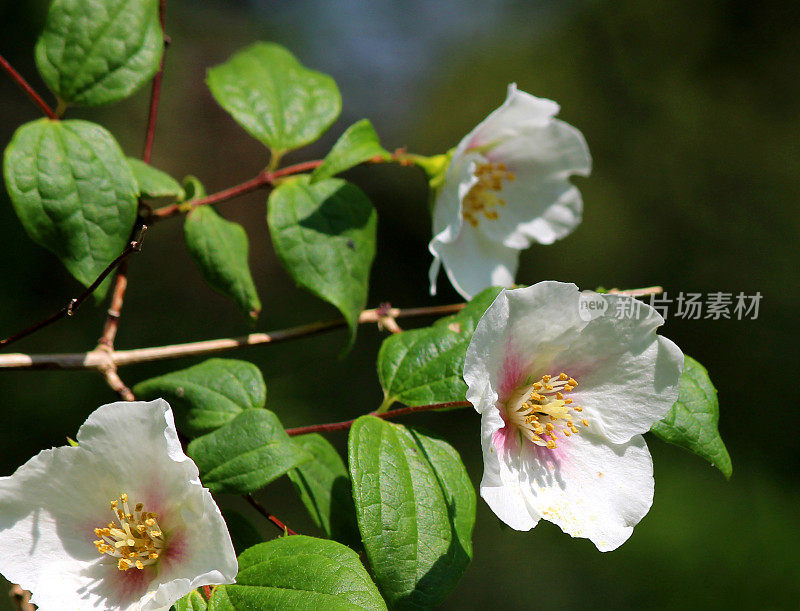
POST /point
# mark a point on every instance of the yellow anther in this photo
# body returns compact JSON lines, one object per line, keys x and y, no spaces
{"x":560,"y":396}
{"x":549,"y":426}
{"x":546,"y":378}
{"x":149,"y":521}
{"x":139,"y":507}
{"x":584,"y":422}
{"x":548,"y":387}
{"x":123,"y":564}
{"x":551,"y":445}
{"x":562,"y":377}
{"x":139,"y":565}
{"x":567,"y":388}
{"x":123,"y":497}
{"x":152,"y":555}
{"x":567,"y":432}
{"x":572,"y":382}
{"x":537,"y":386}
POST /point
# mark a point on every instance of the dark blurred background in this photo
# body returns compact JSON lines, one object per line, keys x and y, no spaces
{"x":691,"y":113}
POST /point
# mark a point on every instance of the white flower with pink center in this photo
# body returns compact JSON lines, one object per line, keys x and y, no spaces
{"x":507,"y":187}
{"x":120,"y":521}
{"x":564,"y":402}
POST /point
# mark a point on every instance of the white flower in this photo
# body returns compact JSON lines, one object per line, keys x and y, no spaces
{"x":507,"y":186}
{"x":563,"y":404}
{"x":121,"y":521}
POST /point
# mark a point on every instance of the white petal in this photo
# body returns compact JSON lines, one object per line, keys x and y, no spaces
{"x":627,"y":375}
{"x":591,"y":488}
{"x":504,"y":482}
{"x":520,"y":334}
{"x":520,"y":111}
{"x":473,"y":263}
{"x":541,"y":204}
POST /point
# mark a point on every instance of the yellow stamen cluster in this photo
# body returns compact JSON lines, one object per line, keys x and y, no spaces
{"x":540,"y":411}
{"x":482,"y":198}
{"x":137,"y":541}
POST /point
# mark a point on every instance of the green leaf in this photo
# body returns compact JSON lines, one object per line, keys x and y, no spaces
{"x":692,"y":421}
{"x":220,"y":248}
{"x":324,"y":486}
{"x":209,"y":395}
{"x":155,"y":184}
{"x":274,"y":97}
{"x":243,"y":533}
{"x":74,"y":193}
{"x":193,"y":187}
{"x":425,"y":366}
{"x":357,"y":144}
{"x":245,"y":454}
{"x":416,"y":509}
{"x":325,"y":236}
{"x":299,"y":572}
{"x":95,"y":52}
{"x":193,"y":601}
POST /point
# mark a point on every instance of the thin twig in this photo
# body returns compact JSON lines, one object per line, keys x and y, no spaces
{"x":155,"y":95}
{"x":74,"y":304}
{"x":263,"y":179}
{"x":340,"y":426}
{"x":30,"y":91}
{"x":260,"y":509}
{"x":21,"y":598}
{"x":100,"y":357}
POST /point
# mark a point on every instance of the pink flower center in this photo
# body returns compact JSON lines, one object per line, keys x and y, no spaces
{"x":137,"y":540}
{"x":482,"y":199}
{"x":541,"y":412}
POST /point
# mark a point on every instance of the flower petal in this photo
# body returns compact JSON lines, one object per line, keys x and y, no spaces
{"x":627,"y":375}
{"x":591,"y":488}
{"x":473,"y":263}
{"x":504,"y":484}
{"x":520,"y":333}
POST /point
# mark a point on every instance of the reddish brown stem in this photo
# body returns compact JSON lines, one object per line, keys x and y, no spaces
{"x":260,"y":509}
{"x":340,"y":426}
{"x":264,"y":179}
{"x":155,"y":95}
{"x":30,"y":91}
{"x":115,"y":307}
{"x":74,"y":304}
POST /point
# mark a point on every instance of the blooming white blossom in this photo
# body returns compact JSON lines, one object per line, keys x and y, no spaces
{"x":564,"y":400}
{"x":120,"y":521}
{"x":507,"y":186}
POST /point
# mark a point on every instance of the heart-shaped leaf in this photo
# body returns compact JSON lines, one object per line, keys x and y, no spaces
{"x":74,"y":192}
{"x":274,"y":97}
{"x":416,"y":509}
{"x":95,"y":52}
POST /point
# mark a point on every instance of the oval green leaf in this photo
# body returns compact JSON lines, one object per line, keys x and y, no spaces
{"x":193,"y":601}
{"x":74,"y":192}
{"x":692,"y":421}
{"x":359,"y":143}
{"x":274,"y":97}
{"x":416,"y":508}
{"x":424,"y":366}
{"x":93,"y":53}
{"x":220,"y":249}
{"x":324,"y":487}
{"x":299,"y":572}
{"x":207,"y":396}
{"x":155,"y":184}
{"x":324,"y":234}
{"x":245,"y":454}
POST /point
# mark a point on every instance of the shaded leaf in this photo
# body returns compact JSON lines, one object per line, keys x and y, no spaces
{"x":153,"y":183}
{"x":324,"y":234}
{"x":324,"y":486}
{"x":243,"y":533}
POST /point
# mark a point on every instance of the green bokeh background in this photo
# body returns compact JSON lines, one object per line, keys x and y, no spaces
{"x":691,"y":114}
